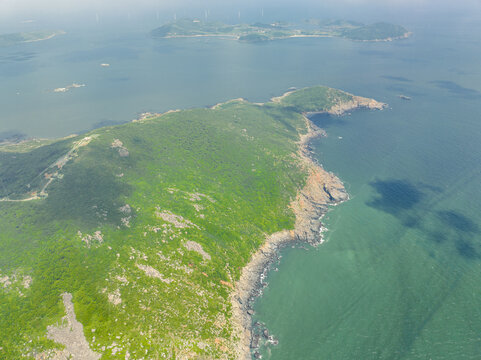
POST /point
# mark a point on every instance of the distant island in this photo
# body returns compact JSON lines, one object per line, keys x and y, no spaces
{"x":27,"y":37}
{"x":147,"y":240}
{"x":68,"y":87}
{"x":260,"y":32}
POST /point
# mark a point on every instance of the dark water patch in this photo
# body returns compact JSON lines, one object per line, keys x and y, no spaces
{"x":104,"y":123}
{"x":17,"y":57}
{"x":411,"y":221}
{"x":14,"y":69}
{"x":395,"y":196}
{"x":396,"y":78}
{"x":437,"y":237}
{"x":409,"y":60}
{"x":12,"y":136}
{"x":458,"y":221}
{"x":376,"y":53}
{"x":458,"y":71}
{"x":456,"y":229}
{"x":455,"y":88}
{"x":324,"y":121}
{"x":466,"y":249}
{"x":399,"y":89}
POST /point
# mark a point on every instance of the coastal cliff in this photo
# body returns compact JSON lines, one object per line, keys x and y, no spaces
{"x":357,"y":102}
{"x":321,"y":190}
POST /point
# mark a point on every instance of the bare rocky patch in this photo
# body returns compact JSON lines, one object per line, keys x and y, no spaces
{"x":69,"y":332}
{"x":126,"y":209}
{"x":27,"y":281}
{"x":152,"y":272}
{"x":126,"y":221}
{"x":117,"y":144}
{"x":16,"y":282}
{"x":193,"y":246}
{"x":198,"y":207}
{"x":176,"y":220}
{"x":115,"y":297}
{"x":5,"y":281}
{"x":197,"y":196}
{"x":95,"y":239}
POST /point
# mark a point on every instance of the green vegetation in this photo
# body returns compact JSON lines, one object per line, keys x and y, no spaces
{"x":18,"y":38}
{"x":187,"y":27}
{"x":377,"y":31}
{"x":317,"y":98}
{"x":260,"y":32}
{"x":254,"y":38}
{"x":117,"y":227}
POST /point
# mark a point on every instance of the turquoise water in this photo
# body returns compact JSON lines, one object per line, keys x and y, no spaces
{"x":399,"y":274}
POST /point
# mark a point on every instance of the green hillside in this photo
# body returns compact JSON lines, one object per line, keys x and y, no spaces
{"x":147,"y":225}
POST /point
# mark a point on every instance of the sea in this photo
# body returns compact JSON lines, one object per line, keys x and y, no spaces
{"x":398,"y":275}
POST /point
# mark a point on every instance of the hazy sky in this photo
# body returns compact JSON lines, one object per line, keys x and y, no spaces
{"x":20,"y":7}
{"x":9,"y":6}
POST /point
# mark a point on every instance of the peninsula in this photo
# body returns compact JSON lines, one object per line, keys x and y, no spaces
{"x":148,"y":239}
{"x":260,"y":32}
{"x":27,"y":37}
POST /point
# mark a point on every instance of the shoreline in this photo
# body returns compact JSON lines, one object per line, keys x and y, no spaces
{"x":293,"y":36}
{"x":321,"y":190}
{"x":48,"y":37}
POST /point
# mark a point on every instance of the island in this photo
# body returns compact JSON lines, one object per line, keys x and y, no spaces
{"x":27,"y":37}
{"x":148,"y":239}
{"x":68,"y":87}
{"x":260,"y":32}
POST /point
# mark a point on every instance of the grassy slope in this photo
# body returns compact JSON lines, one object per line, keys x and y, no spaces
{"x":239,"y":155}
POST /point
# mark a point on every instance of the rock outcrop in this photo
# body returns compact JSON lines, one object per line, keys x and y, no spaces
{"x":357,"y":102}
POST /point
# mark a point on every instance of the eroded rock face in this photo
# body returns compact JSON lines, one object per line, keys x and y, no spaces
{"x":356,"y":103}
{"x":70,"y":334}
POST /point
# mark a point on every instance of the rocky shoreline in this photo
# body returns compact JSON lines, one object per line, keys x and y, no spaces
{"x":322,"y":189}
